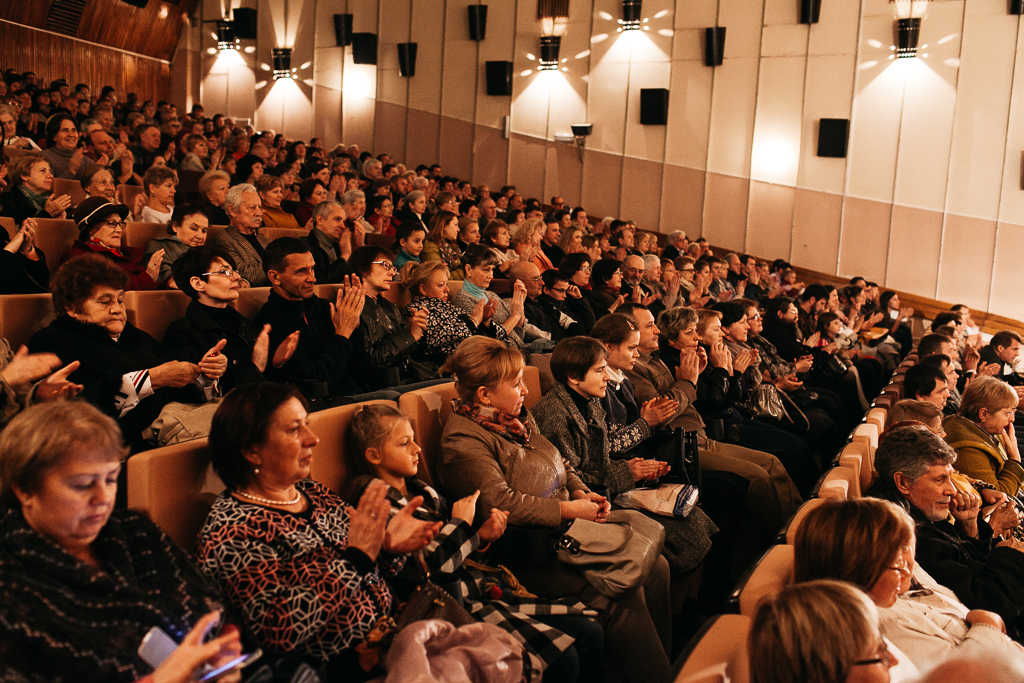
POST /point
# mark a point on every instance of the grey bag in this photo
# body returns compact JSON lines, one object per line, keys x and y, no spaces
{"x":180,"y":422}
{"x":617,"y":556}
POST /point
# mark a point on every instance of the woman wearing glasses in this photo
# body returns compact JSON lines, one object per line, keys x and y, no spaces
{"x":101,"y":227}
{"x":871,"y":543}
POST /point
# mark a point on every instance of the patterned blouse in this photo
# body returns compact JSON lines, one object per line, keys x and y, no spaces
{"x":292,"y":576}
{"x":447,"y":327}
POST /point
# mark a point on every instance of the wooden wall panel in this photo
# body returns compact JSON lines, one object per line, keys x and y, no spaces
{"x":51,"y":56}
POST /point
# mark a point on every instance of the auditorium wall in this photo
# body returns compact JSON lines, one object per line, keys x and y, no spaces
{"x":928,"y":200}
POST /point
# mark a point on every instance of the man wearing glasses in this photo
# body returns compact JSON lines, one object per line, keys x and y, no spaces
{"x":545,"y":311}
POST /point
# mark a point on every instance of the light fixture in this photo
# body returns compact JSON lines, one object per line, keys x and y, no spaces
{"x":282,"y":63}
{"x":549,"y":47}
{"x":226,"y":35}
{"x":908,"y":15}
{"x":630,"y":20}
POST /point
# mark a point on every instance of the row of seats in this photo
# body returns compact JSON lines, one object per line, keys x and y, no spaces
{"x":718,"y":652}
{"x":176,"y":485}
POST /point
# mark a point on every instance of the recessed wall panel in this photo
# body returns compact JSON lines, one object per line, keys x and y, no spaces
{"x":770,"y":220}
{"x":490,"y":157}
{"x":641,"y":193}
{"x":456,"y":153}
{"x":427,"y":31}
{"x":915,"y":238}
{"x":725,"y":210}
{"x":682,"y":200}
{"x":527,"y":160}
{"x":1005,"y":297}
{"x":776,"y":143}
{"x":965,"y":267}
{"x":732,"y":116}
{"x":864,"y":240}
{"x":817,"y":217}
{"x":602,"y":178}
{"x":828,"y":95}
{"x":689,"y":114}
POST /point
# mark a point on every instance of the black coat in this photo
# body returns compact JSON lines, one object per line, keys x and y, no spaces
{"x":14,"y":204}
{"x":20,"y":274}
{"x":189,"y":339}
{"x":783,"y":336}
{"x":580,"y":311}
{"x":326,"y":271}
{"x":385,"y":346}
{"x":545,"y":312}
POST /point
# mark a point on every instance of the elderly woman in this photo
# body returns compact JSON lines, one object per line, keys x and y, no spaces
{"x":447,"y":325}
{"x":870,"y":543}
{"x":479,"y":263}
{"x":491,"y":444}
{"x":248,"y":169}
{"x":526,"y":241}
{"x":213,"y":190}
{"x":124,"y":371}
{"x":818,"y":632}
{"x":381,"y":216}
{"x":197,"y":152}
{"x":159,"y":183}
{"x":188,"y":228}
{"x":415,"y":208}
{"x":9,"y":121}
{"x":62,"y":151}
{"x":81,"y":583}
{"x":303,"y":569}
{"x":577,"y":268}
{"x":983,"y":435}
{"x":571,"y":416}
{"x":271,"y":191}
{"x":606,"y":283}
{"x":497,"y":235}
{"x":98,"y":181}
{"x":30,"y":194}
{"x":101,"y":226}
{"x":442,"y":243}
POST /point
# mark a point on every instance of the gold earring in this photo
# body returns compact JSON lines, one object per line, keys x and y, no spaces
{"x":256,"y":471}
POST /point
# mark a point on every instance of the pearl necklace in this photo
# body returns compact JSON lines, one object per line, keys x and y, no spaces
{"x":268,"y":501}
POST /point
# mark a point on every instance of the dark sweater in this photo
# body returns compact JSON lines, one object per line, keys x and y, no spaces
{"x":189,"y":338}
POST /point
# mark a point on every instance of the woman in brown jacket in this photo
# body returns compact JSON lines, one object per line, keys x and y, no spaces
{"x":491,"y":443}
{"x":983,"y":435}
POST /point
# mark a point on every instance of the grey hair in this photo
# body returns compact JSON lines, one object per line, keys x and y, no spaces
{"x":323,"y":208}
{"x":234,"y":198}
{"x":84,"y":126}
{"x":352,"y":196}
{"x":420,"y":184}
{"x":675,"y":320}
{"x":675,"y":235}
{"x":911,"y":450}
{"x":372,"y":163}
{"x":413,"y":196}
{"x":651,"y":261}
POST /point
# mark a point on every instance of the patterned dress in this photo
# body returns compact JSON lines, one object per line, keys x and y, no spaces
{"x":292,"y":576}
{"x":447,"y":327}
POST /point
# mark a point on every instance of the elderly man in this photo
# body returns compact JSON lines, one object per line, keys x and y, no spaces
{"x":245,"y":215}
{"x":354,"y":203}
{"x":675,"y":245}
{"x":634,"y":271}
{"x":488,"y":210}
{"x":372,"y":170}
{"x":329,"y":242}
{"x":147,"y":139}
{"x":530,"y":276}
{"x":954,"y":542}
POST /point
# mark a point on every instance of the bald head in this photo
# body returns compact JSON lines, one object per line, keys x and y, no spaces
{"x":529,"y":274}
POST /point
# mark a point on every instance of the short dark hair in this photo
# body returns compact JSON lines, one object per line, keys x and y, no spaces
{"x":936,"y":360}
{"x":574,"y":356}
{"x":920,"y":380}
{"x":603,"y":271}
{"x":242,"y":421}
{"x":194,"y":262}
{"x":361,"y":261}
{"x":75,"y":281}
{"x":308,"y":187}
{"x":946,"y":318}
{"x":407,"y":228}
{"x":480,"y":255}
{"x":552,"y":277}
{"x":1004,"y":338}
{"x":932,"y":343}
{"x":814,"y":291}
{"x":732,"y":311}
{"x":630,"y":308}
{"x":615,"y":328}
{"x":571,"y":263}
{"x":53,"y":125}
{"x":276,"y":254}
{"x":183,"y":211}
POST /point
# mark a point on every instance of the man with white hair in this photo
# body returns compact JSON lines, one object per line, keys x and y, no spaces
{"x":245,"y":214}
{"x":675,"y":245}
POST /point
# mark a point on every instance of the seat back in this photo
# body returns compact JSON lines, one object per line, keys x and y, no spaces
{"x":22,"y":315}
{"x":72,"y":188}
{"x":55,"y":237}
{"x":374,"y":239}
{"x":771,"y":573}
{"x":139,"y":234}
{"x":8,"y":224}
{"x":855,"y":457}
{"x":789,"y":531}
{"x":250,"y":301}
{"x":153,"y":311}
{"x":428,"y":410}
{"x":718,"y":653}
{"x":330,"y":426}
{"x":876,"y":416}
{"x":176,"y":487}
{"x":126,"y":194}
{"x":867,"y":434}
{"x":840,"y":483}
{"x":328,"y":292}
{"x":398,"y":295}
{"x":273,"y":233}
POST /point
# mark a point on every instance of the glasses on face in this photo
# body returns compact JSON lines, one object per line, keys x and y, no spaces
{"x":559,"y":290}
{"x":585,"y":269}
{"x":388,"y":266}
{"x":634,"y":271}
{"x":687,"y":270}
{"x":752,"y":318}
{"x":116,"y":225}
{"x":226,"y":271}
{"x":900,"y":567}
{"x":882,"y":658}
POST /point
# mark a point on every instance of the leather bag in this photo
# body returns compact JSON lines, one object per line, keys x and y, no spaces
{"x":617,"y":556}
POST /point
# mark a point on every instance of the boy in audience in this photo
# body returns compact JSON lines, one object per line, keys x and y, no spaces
{"x":410,"y":237}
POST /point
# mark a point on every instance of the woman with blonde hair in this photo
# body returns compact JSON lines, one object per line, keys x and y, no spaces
{"x":526,"y":241}
{"x":983,"y":435}
{"x":271,"y":191}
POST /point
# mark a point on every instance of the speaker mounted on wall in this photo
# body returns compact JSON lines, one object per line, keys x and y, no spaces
{"x":342,"y":30}
{"x":477,"y":22}
{"x":833,"y":137}
{"x":810,"y":11}
{"x":245,"y":23}
{"x":499,"y":78}
{"x":653,"y":106}
{"x":407,"y":59}
{"x":714,"y":46}
{"x":364,"y":48}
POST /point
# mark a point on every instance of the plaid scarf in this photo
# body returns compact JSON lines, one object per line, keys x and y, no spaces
{"x":493,"y":420}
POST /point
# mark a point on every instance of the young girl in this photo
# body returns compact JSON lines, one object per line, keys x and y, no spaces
{"x":380,"y":443}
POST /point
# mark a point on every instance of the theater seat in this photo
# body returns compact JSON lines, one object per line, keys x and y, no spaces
{"x":22,"y":315}
{"x":373,"y":239}
{"x":868,"y":435}
{"x":718,"y":653}
{"x":769,"y":575}
{"x":126,"y":194}
{"x":176,"y":487}
{"x":330,"y":426}
{"x":328,"y":292}
{"x":789,"y":531}
{"x":8,"y":224}
{"x":273,"y":233}
{"x":55,"y":237}
{"x":153,"y":311}
{"x":139,"y":234}
{"x":72,"y":188}
{"x":428,"y":410}
{"x":876,"y":416}
{"x":855,"y":456}
{"x":840,"y":483}
{"x":398,"y":295}
{"x":251,"y":300}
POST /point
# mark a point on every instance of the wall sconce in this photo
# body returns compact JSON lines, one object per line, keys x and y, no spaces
{"x":407,"y":59}
{"x":549,"y":46}
{"x":477,"y":22}
{"x":226,"y":35}
{"x":810,"y":11}
{"x":580,"y":131}
{"x":714,"y":46}
{"x":282,"y":63}
{"x":342,"y":29}
{"x":630,"y":20}
{"x":908,"y":15}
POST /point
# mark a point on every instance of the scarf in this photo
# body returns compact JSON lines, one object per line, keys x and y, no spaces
{"x":38,"y":201}
{"x":472,"y":290}
{"x":450,"y":254}
{"x":493,"y":420}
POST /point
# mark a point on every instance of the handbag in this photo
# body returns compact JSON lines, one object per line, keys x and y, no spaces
{"x":178,"y":422}
{"x":764,"y":401}
{"x":617,"y":556}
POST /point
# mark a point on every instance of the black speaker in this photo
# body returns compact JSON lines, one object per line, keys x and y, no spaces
{"x":714,"y":46}
{"x":477,"y":22}
{"x":245,"y":23}
{"x":833,"y":137}
{"x":342,"y":29}
{"x":136,"y":3}
{"x":364,"y":48}
{"x":1016,"y":7}
{"x":653,"y":106}
{"x":499,"y":78}
{"x":810,"y":11}
{"x":406,"y":59}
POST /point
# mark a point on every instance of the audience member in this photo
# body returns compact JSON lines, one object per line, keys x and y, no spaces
{"x":188,"y":228}
{"x":159,"y":184}
{"x":240,"y":238}
{"x":30,"y":193}
{"x":213,"y":192}
{"x":442,"y":243}
{"x":101,"y":229}
{"x":271,"y":191}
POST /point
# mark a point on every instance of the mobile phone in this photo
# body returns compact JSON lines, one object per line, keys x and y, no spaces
{"x":238,"y":663}
{"x":156,"y":647}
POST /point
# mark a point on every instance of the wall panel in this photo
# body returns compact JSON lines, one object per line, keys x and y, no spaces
{"x":770,"y":219}
{"x":817,"y":217}
{"x":968,"y":245}
{"x":682,"y":200}
{"x":725,"y":210}
{"x":915,"y":240}
{"x":864,"y":241}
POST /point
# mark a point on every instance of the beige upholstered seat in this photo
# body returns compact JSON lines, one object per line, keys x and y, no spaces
{"x":153,"y":311}
{"x":273,"y":233}
{"x":139,"y":234}
{"x":330,"y":426}
{"x":772,"y":573}
{"x":22,"y":315}
{"x":841,"y":483}
{"x":855,"y":456}
{"x":251,"y":300}
{"x":72,"y":188}
{"x":798,"y":517}
{"x":720,"y":653}
{"x":55,"y":237}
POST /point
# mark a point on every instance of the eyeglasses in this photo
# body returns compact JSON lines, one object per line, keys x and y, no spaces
{"x":901,"y":567}
{"x":116,"y":225}
{"x":635,"y":271}
{"x":687,"y":270}
{"x":585,"y":269}
{"x":386,"y":265}
{"x":756,"y":316}
{"x":559,"y":290}
{"x":883,"y":657}
{"x":225,"y":271}
{"x":534,"y":279}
